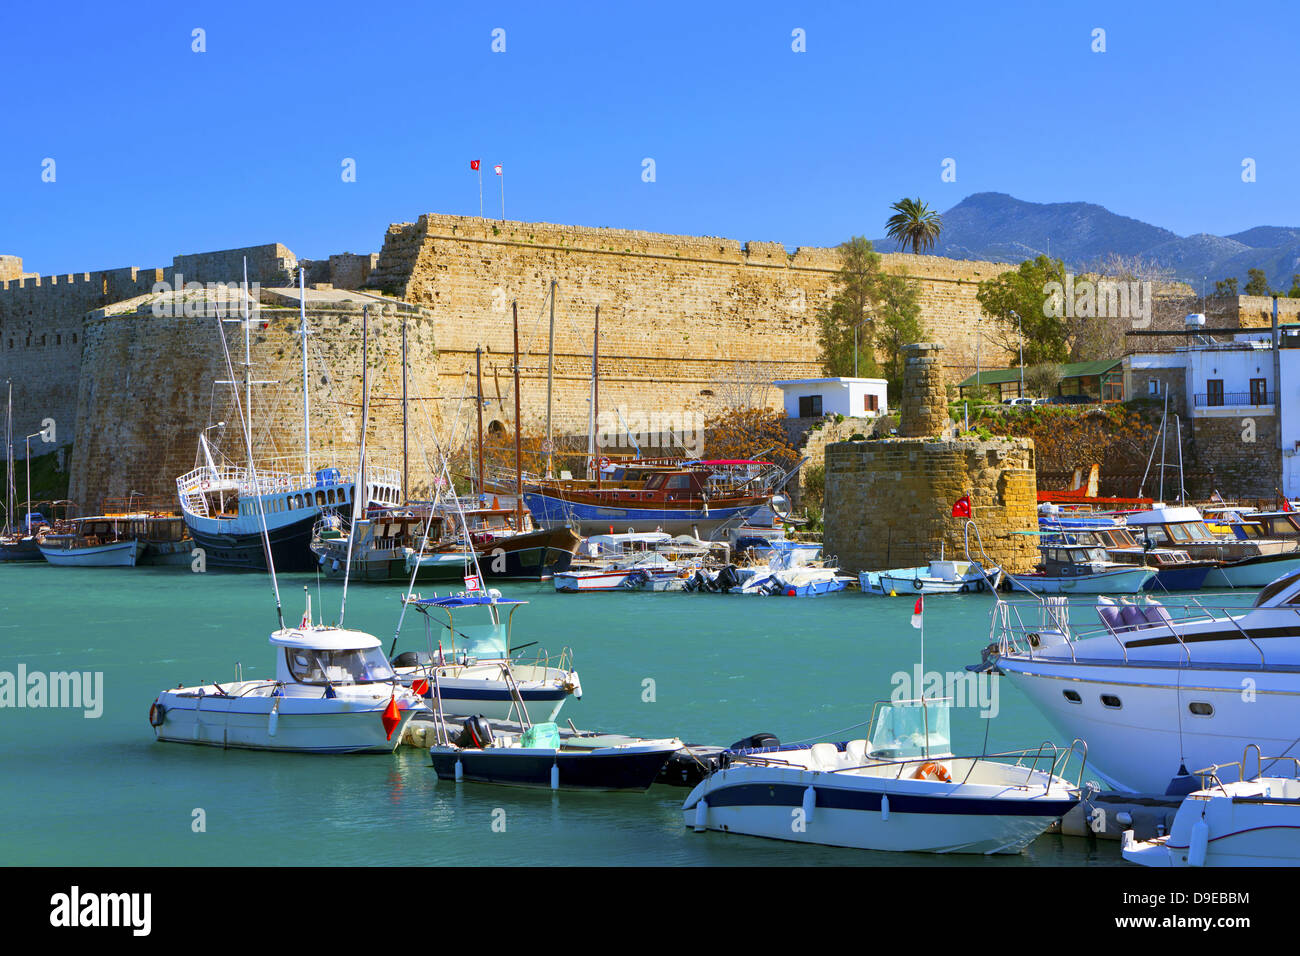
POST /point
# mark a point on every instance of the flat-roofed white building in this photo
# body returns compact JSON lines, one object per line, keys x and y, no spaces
{"x":850,"y":397}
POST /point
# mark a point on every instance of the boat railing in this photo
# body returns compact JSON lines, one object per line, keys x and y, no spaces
{"x":193,"y":484}
{"x":1212,"y":776}
{"x":1018,"y":626}
{"x":1057,"y":759}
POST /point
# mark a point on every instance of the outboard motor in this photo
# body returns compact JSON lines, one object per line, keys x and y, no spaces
{"x":756,"y":742}
{"x":475,"y":735}
{"x":411,"y":658}
{"x":726,"y":579}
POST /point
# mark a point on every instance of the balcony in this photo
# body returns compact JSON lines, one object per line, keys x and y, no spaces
{"x":1234,"y":399}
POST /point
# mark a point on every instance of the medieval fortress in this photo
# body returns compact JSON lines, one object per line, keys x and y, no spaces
{"x":684,"y":322}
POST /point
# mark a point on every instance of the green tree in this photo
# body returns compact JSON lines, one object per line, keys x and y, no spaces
{"x":898,"y":323}
{"x":1035,"y":292}
{"x":1226,"y":286}
{"x":1042,"y":379}
{"x":1256,"y":282}
{"x":845,"y":319}
{"x":915,"y":224}
{"x":1295,"y":287}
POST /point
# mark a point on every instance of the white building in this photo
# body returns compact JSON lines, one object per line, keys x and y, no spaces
{"x":1240,"y":377}
{"x":850,"y":397}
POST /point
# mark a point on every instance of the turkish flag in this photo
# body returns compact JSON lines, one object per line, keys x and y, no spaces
{"x":917,"y":612}
{"x":391,"y":717}
{"x":961,"y":507}
{"x":473,"y":164}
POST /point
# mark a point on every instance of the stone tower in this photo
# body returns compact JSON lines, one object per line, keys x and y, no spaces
{"x":924,"y":411}
{"x":889,"y":501}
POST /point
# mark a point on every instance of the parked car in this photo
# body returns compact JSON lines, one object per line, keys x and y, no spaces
{"x":1071,"y":400}
{"x":1018,"y":400}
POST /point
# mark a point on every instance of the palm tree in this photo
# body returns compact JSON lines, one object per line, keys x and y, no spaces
{"x":914,"y":223}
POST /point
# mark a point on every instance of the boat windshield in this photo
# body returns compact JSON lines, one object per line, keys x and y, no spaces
{"x":353,"y":666}
{"x":481,"y":641}
{"x":907,"y":729}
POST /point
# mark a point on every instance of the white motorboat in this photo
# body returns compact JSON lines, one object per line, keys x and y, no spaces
{"x":901,"y":789}
{"x":938,"y":577}
{"x":474,"y":667}
{"x":333,"y":693}
{"x":649,"y":571}
{"x":1155,"y":688}
{"x":1246,"y":821}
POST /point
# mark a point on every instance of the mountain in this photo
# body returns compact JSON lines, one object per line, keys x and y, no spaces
{"x":1001,"y":228}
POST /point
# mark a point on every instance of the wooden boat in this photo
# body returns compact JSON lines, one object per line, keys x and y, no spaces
{"x":1080,"y":569}
{"x":938,"y":577}
{"x":102,"y":541}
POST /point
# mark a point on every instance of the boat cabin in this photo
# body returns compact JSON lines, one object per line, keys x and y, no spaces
{"x":330,"y":656}
{"x":905,"y":729}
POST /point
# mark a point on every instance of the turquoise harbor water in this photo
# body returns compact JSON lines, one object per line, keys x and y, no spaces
{"x":101,"y":791}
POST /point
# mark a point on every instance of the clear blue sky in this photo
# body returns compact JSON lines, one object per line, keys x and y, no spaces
{"x":160,"y":150}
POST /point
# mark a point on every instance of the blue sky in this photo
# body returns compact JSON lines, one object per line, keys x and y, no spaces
{"x":160,"y":150}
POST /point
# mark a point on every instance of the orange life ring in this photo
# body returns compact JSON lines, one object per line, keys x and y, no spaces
{"x":932,"y":771}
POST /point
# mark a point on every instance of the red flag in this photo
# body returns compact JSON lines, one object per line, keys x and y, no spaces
{"x":391,"y":717}
{"x":473,"y":164}
{"x":961,"y":507}
{"x":1286,"y":504}
{"x":916,"y":612}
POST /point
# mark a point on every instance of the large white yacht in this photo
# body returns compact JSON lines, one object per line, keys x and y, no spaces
{"x":1156,"y":690}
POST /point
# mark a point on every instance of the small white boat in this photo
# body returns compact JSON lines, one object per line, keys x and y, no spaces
{"x":70,"y":551}
{"x":898,"y":790}
{"x":1251,"y":821}
{"x":1081,"y":569}
{"x":333,"y":693}
{"x":938,"y":577}
{"x":651,"y":572}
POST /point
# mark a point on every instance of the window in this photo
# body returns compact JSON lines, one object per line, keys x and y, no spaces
{"x":357,"y":666}
{"x":1201,"y":709}
{"x":872,"y":403}
{"x":1259,"y":391}
{"x":679,"y":482}
{"x":1111,"y":701}
{"x":810,"y":406}
{"x":1072,"y":696}
{"x":1214,"y":391}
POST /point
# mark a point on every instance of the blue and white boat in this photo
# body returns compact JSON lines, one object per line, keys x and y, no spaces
{"x":1081,"y":569}
{"x":938,"y":577}
{"x":474,"y":666}
{"x":901,"y":789}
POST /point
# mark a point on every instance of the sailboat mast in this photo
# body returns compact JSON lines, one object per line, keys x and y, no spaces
{"x":248,"y":358}
{"x":519,"y":473}
{"x":550,"y":375}
{"x":360,"y":498}
{"x":478,"y":380}
{"x":406,"y":461}
{"x":595,"y":392}
{"x":9,"y":462}
{"x":306,"y":395}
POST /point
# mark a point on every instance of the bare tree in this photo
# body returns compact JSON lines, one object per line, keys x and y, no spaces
{"x":741,"y":385}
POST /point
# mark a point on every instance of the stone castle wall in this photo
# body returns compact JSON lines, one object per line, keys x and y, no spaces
{"x":679,"y":315}
{"x":147,"y":391}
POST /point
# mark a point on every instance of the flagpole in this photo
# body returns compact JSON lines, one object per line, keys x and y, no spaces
{"x":480,"y":189}
{"x":502,"y":174}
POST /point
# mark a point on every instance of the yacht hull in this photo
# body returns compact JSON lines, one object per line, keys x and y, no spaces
{"x":1141,"y":744}
{"x":1123,"y":581}
{"x":119,"y":554}
{"x":290,"y":545}
{"x":1254,"y":573}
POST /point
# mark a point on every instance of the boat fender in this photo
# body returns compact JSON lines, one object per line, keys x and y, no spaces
{"x":273,"y":722}
{"x":701,"y":816}
{"x":965,"y":588}
{"x":555,"y":776}
{"x":932,"y":771}
{"x":884,"y":807}
{"x":1198,"y":843}
{"x":460,"y":771}
{"x":916,"y":584}
{"x":157,"y":714}
{"x":809,"y":804}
